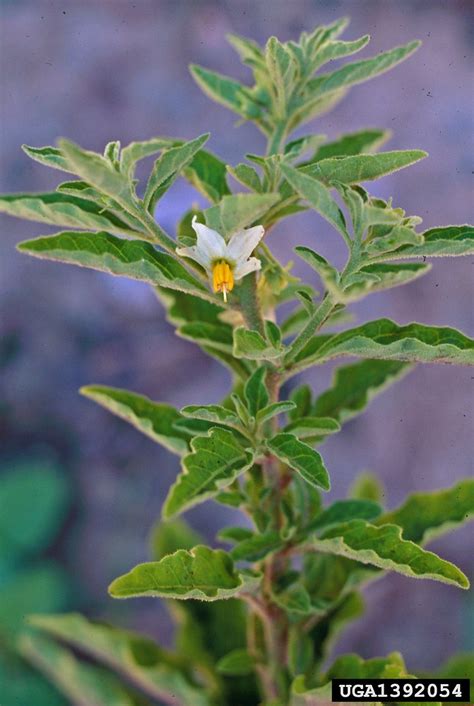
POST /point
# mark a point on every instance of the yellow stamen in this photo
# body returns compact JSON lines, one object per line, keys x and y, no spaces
{"x":222,"y":278}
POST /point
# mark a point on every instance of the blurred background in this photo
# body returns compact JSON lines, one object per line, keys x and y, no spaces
{"x":88,"y":486}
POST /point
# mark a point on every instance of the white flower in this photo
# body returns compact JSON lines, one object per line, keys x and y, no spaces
{"x":224,"y":262}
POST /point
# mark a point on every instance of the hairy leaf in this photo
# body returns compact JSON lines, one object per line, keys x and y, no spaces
{"x":155,"y":419}
{"x":354,"y":169}
{"x":426,"y":515}
{"x":216,"y":461}
{"x":272,"y":410}
{"x":301,"y":458}
{"x":351,"y":143}
{"x":317,"y":196}
{"x":311,"y":427}
{"x":255,"y":391}
{"x":332,"y":50}
{"x":207,"y":173}
{"x":238,"y":211}
{"x":355,"y":385}
{"x":213,"y":413}
{"x":383,"y":339}
{"x":167,"y":168}
{"x":226,"y":91}
{"x":447,"y":241}
{"x":384,"y":547}
{"x":63,"y":209}
{"x":251,"y":345}
{"x":135,"y":151}
{"x":201,"y":573}
{"x":98,"y":171}
{"x":256,"y":547}
{"x":360,"y":71}
{"x":49,"y":156}
{"x":128,"y":258}
{"x":344,"y":511}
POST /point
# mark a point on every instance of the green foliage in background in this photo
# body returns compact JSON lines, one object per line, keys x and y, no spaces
{"x":34,"y":499}
{"x":255,"y":622}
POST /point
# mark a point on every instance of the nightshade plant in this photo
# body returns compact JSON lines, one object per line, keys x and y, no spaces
{"x":254,"y":623}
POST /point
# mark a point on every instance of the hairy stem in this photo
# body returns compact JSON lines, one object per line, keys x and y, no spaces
{"x":314,"y":324}
{"x":250,"y":305}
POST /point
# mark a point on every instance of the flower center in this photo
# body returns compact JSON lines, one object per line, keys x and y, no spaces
{"x":222,"y":277}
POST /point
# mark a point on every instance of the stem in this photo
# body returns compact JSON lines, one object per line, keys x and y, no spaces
{"x":250,"y":305}
{"x":314,"y":324}
{"x":278,"y":136}
{"x":277,"y":624}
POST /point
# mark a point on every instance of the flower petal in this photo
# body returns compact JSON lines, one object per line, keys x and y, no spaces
{"x":209,"y":242}
{"x":196,"y":254}
{"x":243,"y":243}
{"x":244,"y":268}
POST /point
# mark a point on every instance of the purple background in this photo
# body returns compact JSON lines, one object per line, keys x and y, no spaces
{"x":100,"y":70}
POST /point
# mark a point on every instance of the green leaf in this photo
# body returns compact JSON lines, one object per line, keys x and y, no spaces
{"x":81,"y":683}
{"x":360,"y":71}
{"x":134,"y":656}
{"x":352,"y":143}
{"x":255,"y":391}
{"x":344,"y":511}
{"x":184,"y":308}
{"x":214,"y":413}
{"x":311,"y":427}
{"x":355,"y":385}
{"x":112,"y":153}
{"x":317,"y":196}
{"x":236,"y":663}
{"x":272,"y":410}
{"x":328,"y":274}
{"x":282,"y":69}
{"x":301,"y":396}
{"x":49,"y":156}
{"x":98,"y":171}
{"x":226,"y":91}
{"x":247,"y":176}
{"x":377,"y":277}
{"x":63,"y":209}
{"x":167,"y":168}
{"x":34,"y":498}
{"x":384,"y":547}
{"x":207,"y":173}
{"x":135,"y":151}
{"x":256,"y":547}
{"x":301,"y":458}
{"x":250,"y":344}
{"x":201,"y":573}
{"x":216,"y":336}
{"x":216,"y":461}
{"x":354,"y":667}
{"x":448,"y":241}
{"x":383,"y":339}
{"x":238,"y":211}
{"x":332,"y":50}
{"x":155,"y":419}
{"x":355,"y":169}
{"x":424,"y":516}
{"x":128,"y":258}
